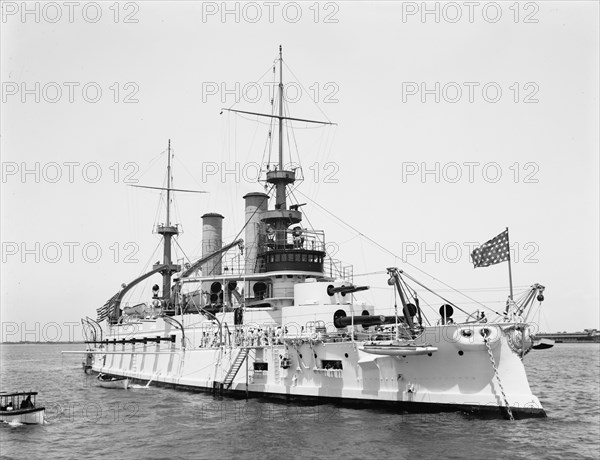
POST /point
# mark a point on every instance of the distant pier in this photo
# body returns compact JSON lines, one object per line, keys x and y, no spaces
{"x":587,"y":336}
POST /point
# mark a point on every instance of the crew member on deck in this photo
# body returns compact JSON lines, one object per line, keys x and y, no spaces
{"x":298,"y":238}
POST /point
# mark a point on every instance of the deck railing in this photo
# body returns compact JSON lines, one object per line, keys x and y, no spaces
{"x":313,"y":240}
{"x":337,"y":269}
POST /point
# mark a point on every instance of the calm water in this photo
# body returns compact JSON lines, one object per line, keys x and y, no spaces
{"x":86,"y":421}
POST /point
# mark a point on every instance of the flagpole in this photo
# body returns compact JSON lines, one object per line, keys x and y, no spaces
{"x":509,"y":267}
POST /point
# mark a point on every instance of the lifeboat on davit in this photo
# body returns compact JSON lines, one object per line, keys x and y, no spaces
{"x":394,"y":348}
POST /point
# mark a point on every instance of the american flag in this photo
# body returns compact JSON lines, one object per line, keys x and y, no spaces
{"x":492,"y":252}
{"x":106,"y":309}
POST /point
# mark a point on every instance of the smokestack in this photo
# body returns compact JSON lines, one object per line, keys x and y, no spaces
{"x":212,"y":240}
{"x":256,"y":204}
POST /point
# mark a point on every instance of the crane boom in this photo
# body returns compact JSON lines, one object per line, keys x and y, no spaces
{"x":188,"y":271}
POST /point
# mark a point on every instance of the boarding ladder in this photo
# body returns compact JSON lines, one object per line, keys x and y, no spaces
{"x":133,"y":363}
{"x":235,"y":367}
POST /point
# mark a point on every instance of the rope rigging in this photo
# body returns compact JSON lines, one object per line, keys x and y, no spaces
{"x":391,"y":253}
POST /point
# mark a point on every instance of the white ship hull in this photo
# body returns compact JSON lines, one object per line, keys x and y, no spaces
{"x":458,"y":376}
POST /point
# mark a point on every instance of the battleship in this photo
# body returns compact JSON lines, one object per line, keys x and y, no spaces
{"x":271,"y":314}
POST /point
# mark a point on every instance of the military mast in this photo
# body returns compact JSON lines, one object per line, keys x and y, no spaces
{"x":281,"y":218}
{"x":275,"y":251}
{"x":167,"y":231}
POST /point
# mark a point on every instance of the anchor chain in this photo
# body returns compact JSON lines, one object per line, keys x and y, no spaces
{"x":489,"y":350}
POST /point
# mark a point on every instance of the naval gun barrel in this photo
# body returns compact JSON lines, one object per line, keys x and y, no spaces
{"x":365,"y":320}
{"x":345,"y":289}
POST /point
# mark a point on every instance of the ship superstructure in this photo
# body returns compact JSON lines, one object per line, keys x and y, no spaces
{"x":271,"y":314}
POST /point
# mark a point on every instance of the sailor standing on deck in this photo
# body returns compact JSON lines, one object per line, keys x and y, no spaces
{"x":155,"y":301}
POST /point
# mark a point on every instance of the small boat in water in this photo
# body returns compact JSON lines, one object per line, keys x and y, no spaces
{"x":20,"y":408}
{"x":542,"y":343}
{"x":113,"y":381}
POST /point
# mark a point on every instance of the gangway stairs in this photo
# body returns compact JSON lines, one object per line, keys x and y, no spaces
{"x":235,"y":367}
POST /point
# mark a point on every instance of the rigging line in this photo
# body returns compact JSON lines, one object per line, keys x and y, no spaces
{"x":267,"y":149}
{"x":163,"y":194}
{"x":381,"y":288}
{"x":185,"y":168}
{"x":296,"y":150}
{"x":297,"y":153}
{"x":271,"y":125}
{"x":309,"y":125}
{"x":383,"y":272}
{"x":409,"y":289}
{"x":487,"y":289}
{"x":182,"y":251}
{"x":305,"y":216}
{"x":481,"y":289}
{"x":423,"y":310}
{"x":390,"y":252}
{"x":226,"y":140}
{"x":364,"y":259}
{"x":159,"y":208}
{"x":244,"y":115}
{"x":302,"y":86}
{"x":145,"y":269}
{"x":256,"y":131}
{"x":287,"y":130}
{"x":291,"y":136}
{"x":347,"y":241}
{"x":151,"y":163}
{"x":272,"y":107}
{"x":270,"y":139}
{"x":152,"y":256}
{"x":178,"y":216}
{"x":435,"y":293}
{"x":329,"y":142}
{"x":251,"y":118}
{"x":234,"y":130}
{"x":491,"y":291}
{"x":256,"y":80}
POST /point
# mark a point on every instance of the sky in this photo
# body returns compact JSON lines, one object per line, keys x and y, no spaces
{"x":453,"y":122}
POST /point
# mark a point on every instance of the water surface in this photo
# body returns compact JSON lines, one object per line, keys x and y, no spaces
{"x":86,"y":421}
